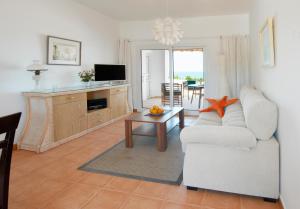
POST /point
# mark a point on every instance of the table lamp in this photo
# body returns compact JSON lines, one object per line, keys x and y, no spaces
{"x":37,"y":68}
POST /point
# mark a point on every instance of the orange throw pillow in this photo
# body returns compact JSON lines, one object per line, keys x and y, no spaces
{"x":219,"y":105}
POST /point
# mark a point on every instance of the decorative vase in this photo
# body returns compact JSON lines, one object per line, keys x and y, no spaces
{"x":86,"y":83}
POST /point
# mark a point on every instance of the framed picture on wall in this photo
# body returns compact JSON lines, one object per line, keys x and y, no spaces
{"x":63,"y":51}
{"x":266,"y":36}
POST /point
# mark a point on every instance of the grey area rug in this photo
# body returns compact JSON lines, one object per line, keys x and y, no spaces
{"x":143,"y":161}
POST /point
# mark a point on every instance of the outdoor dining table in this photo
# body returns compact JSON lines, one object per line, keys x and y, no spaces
{"x":195,"y":88}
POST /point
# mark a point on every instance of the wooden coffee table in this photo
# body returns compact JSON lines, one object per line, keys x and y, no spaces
{"x":154,"y":126}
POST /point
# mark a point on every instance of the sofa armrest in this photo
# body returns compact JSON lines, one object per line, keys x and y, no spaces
{"x":226,"y":136}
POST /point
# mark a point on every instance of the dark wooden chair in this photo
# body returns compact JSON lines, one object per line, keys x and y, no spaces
{"x":8,"y":126}
{"x":165,"y":94}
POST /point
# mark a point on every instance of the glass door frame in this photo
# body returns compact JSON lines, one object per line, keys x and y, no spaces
{"x":171,"y":63}
{"x":203,"y":49}
{"x":171,"y":72}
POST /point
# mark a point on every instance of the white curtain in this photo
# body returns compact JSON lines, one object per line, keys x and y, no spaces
{"x":234,"y":65}
{"x":125,"y":58}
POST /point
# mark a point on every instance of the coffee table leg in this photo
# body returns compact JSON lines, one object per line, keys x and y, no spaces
{"x":128,"y":133}
{"x":181,"y":119}
{"x":162,"y":142}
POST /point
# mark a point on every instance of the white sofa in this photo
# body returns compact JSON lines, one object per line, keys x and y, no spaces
{"x":237,"y":153}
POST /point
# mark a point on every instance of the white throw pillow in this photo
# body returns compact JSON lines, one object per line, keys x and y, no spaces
{"x":261,"y":115}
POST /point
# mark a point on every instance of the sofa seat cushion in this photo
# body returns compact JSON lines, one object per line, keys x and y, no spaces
{"x":234,"y":116}
{"x":209,"y":118}
{"x":226,"y":136}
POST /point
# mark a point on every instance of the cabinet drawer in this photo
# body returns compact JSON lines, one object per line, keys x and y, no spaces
{"x":69,"y":98}
{"x":118,"y":90}
{"x":98,"y":117}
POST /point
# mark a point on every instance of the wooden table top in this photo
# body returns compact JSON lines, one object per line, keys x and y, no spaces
{"x":143,"y":117}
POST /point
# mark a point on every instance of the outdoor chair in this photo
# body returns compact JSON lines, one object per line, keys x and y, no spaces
{"x":165,"y":94}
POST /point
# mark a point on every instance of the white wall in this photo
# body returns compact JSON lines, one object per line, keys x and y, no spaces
{"x":201,"y":32}
{"x":145,"y":75}
{"x":153,"y":68}
{"x":281,"y":85}
{"x":24,"y":26}
{"x":157,"y":71}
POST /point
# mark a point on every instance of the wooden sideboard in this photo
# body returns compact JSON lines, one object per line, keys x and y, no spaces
{"x":56,"y":117}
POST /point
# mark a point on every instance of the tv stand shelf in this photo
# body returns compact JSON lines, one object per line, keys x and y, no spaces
{"x":56,"y":117}
{"x":96,"y":110}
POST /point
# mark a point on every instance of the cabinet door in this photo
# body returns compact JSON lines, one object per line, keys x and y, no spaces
{"x":69,"y":119}
{"x":118,"y":104}
{"x":79,"y":115}
{"x":63,"y":121}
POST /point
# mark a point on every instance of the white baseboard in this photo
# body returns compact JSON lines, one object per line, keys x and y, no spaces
{"x":282,"y":202}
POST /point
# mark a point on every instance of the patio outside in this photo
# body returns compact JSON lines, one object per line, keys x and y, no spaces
{"x":188,"y":78}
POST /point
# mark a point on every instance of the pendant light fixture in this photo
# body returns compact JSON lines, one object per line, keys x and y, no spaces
{"x":167,"y":30}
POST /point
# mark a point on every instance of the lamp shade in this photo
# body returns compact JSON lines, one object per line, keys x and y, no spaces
{"x":167,"y":31}
{"x":36,"y":66}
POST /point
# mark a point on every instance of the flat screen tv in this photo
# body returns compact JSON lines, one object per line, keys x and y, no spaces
{"x":110,"y":72}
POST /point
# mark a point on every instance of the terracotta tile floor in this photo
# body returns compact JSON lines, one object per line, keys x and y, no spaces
{"x":51,"y":181}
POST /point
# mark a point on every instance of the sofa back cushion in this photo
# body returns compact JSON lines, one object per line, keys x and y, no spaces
{"x":234,"y":116}
{"x":209,"y":118}
{"x":260,"y":114}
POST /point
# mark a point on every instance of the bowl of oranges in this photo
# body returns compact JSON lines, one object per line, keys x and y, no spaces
{"x":155,"y":110}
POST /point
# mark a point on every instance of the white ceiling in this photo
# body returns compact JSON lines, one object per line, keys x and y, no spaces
{"x":151,"y":9}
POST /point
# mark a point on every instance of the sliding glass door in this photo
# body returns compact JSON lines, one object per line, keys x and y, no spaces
{"x":172,"y":77}
{"x":188,"y":72}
